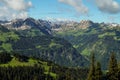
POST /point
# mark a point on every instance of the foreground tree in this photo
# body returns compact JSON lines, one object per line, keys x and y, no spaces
{"x":91,"y":74}
{"x":113,"y":68}
{"x":98,"y":72}
{"x":119,"y":74}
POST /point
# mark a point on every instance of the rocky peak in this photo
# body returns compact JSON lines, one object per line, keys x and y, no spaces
{"x":45,"y":23}
{"x":86,"y":21}
{"x":30,"y":22}
{"x":85,"y":24}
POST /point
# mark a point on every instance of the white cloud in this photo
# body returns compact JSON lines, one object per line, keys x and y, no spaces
{"x":77,"y":4}
{"x":108,"y":6}
{"x":22,"y":15}
{"x":11,"y":9}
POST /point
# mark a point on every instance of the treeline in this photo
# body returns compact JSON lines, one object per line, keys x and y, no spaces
{"x":95,"y":72}
{"x":37,"y":71}
{"x":22,"y":73}
{"x":65,"y":73}
{"x":6,"y":57}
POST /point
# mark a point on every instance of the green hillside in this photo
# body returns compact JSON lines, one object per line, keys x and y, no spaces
{"x":23,"y":61}
{"x":30,"y":68}
{"x":102,"y":40}
{"x":46,"y":47}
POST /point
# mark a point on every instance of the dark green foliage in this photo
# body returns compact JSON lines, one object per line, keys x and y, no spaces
{"x":95,"y":72}
{"x":91,"y":74}
{"x":98,"y":72}
{"x":20,"y":58}
{"x":113,"y":68}
{"x":37,"y":72}
{"x":119,"y":74}
{"x":22,"y":73}
{"x":5,"y":57}
{"x":70,"y":73}
{"x":48,"y":76}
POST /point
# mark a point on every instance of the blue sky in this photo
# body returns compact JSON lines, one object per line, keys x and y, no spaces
{"x":95,"y":10}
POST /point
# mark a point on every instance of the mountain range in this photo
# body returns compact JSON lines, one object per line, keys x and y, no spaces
{"x":85,"y":36}
{"x":88,"y":37}
{"x":36,"y":41}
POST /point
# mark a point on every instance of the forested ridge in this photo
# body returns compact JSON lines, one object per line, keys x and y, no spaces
{"x":28,"y":68}
{"x":47,"y":47}
{"x":39,"y":69}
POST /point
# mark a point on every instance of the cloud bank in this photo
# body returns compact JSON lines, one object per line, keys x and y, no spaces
{"x":77,"y":4}
{"x":12,"y":9}
{"x":105,"y":6}
{"x":108,"y":6}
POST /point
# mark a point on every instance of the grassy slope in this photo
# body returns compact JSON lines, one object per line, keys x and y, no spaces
{"x":31,"y":62}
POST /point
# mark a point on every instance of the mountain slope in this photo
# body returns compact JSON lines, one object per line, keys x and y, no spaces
{"x":85,"y":36}
{"x":13,"y":61}
{"x":28,"y":24}
{"x":46,"y":47}
{"x":88,"y":37}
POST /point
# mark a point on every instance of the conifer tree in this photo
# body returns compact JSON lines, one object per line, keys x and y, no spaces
{"x":91,"y":74}
{"x":119,"y":74}
{"x":98,"y":72}
{"x":113,"y":68}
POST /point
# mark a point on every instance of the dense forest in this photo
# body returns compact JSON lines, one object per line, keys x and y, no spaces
{"x":112,"y":73}
{"x":38,"y":70}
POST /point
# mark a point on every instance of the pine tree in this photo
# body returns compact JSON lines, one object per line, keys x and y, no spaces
{"x":91,"y":74}
{"x":68,"y":75}
{"x":98,"y":72}
{"x":113,"y":68}
{"x":119,"y":74}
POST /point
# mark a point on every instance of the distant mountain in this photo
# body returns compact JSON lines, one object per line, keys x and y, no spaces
{"x":63,"y":26}
{"x":28,"y":24}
